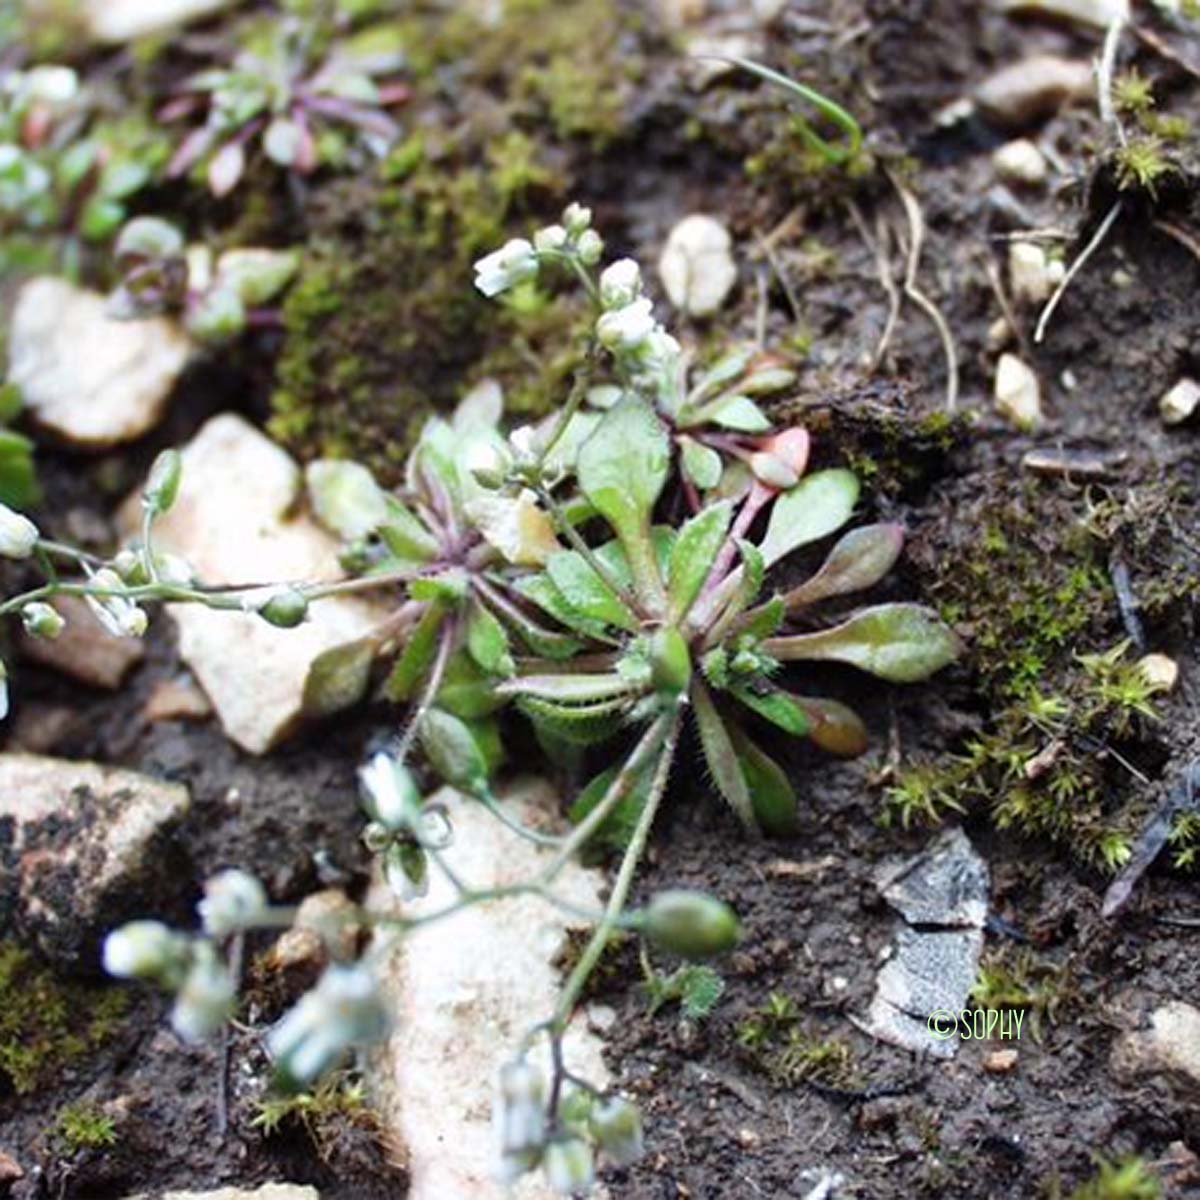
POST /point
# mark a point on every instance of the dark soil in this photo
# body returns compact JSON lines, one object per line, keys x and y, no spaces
{"x":720,"y":1122}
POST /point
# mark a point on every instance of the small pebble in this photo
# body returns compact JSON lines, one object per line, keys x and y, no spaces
{"x":999,"y":335}
{"x":1097,"y":13}
{"x":1179,"y":402}
{"x":1159,"y":671}
{"x":1021,"y":162}
{"x":1031,"y":275}
{"x":1033,"y":89}
{"x":1017,"y":392}
{"x":1000,"y":1062}
{"x":1074,"y":464}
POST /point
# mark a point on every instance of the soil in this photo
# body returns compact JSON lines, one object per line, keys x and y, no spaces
{"x":724,"y":1120}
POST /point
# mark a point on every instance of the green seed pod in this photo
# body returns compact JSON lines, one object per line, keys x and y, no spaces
{"x":670,"y":662}
{"x":285,"y":610}
{"x":691,"y":924}
{"x":162,"y":486}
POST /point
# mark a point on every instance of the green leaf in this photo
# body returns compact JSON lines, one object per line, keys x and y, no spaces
{"x":404,"y":535}
{"x":902,"y":643}
{"x":701,"y":464}
{"x":579,"y":724}
{"x":738,"y":413}
{"x":338,"y":678}
{"x":622,"y":469}
{"x":455,"y":752}
{"x":18,"y":481}
{"x":777,"y":707}
{"x":763,"y":621}
{"x":568,"y":689}
{"x":257,"y":275}
{"x":836,"y":728}
{"x":417,"y":657}
{"x":547,"y":643}
{"x":696,"y":986}
{"x":816,"y":506}
{"x":775,"y":802}
{"x":859,"y":560}
{"x":618,"y":828}
{"x":487,"y":642}
{"x":11,"y":402}
{"x":720,"y":755}
{"x":542,"y":591}
{"x":346,"y":498}
{"x":448,"y":586}
{"x":693,"y":555}
{"x":724,"y":371}
{"x":583,"y":589}
{"x":467,"y":691}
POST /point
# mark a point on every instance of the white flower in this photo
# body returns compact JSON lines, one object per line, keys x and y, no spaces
{"x":145,"y":950}
{"x":520,"y":1110}
{"x":119,"y":615}
{"x":343,"y":1009}
{"x":233,"y":900}
{"x":553,"y":237}
{"x":206,"y":999}
{"x":617,"y":1127}
{"x":18,"y":534}
{"x":42,"y":621}
{"x":624,"y":330}
{"x":513,"y":263}
{"x":391,"y":795}
{"x":569,"y":1166}
{"x":589,"y":247}
{"x":620,"y":283}
{"x":51,"y":84}
{"x":576,"y":218}
{"x":406,"y":870}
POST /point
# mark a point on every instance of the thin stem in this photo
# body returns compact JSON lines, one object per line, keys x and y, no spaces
{"x":620,"y":893}
{"x":437,"y":674}
{"x":148,"y":562}
{"x":530,"y":835}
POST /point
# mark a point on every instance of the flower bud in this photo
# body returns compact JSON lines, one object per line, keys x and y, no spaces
{"x":18,"y":534}
{"x":625,"y":329}
{"x":513,"y":263}
{"x":285,"y":609}
{"x":620,"y":283}
{"x":233,"y":900}
{"x":162,"y":485}
{"x":406,"y":869}
{"x":670,"y":662}
{"x":553,"y":237}
{"x":576,"y":218}
{"x":147,"y":950}
{"x":691,"y":924}
{"x":488,"y":463}
{"x":206,"y":1000}
{"x":118,"y":614}
{"x":569,"y":1166}
{"x":589,"y":248}
{"x":521,"y":1111}
{"x":390,"y":793}
{"x":42,"y":621}
{"x":617,"y":1127}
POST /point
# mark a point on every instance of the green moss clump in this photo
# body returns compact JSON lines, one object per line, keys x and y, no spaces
{"x":84,"y":1126}
{"x":335,"y":1110}
{"x":1129,"y":1179}
{"x":1018,"y":978}
{"x":776,"y":1043}
{"x":46,"y":1025}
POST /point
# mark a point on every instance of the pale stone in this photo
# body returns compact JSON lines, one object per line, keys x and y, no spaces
{"x":1001,"y":1062}
{"x":84,"y":650}
{"x":710,"y":54}
{"x":113,"y":21}
{"x":83,"y":839}
{"x":1020,"y":161}
{"x":1179,"y":402}
{"x":1097,"y":13}
{"x":696,"y":266}
{"x":1018,"y":393}
{"x":86,"y":378}
{"x":999,"y":334}
{"x":465,"y":990}
{"x":1031,"y":275}
{"x":1034,"y":88}
{"x":1170,"y":1046}
{"x":267,"y":1191}
{"x":176,"y":700}
{"x":1159,"y":671}
{"x":234,"y":522}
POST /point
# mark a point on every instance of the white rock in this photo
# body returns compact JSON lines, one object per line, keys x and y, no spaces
{"x":709,"y":54}
{"x":1020,"y":161}
{"x":1097,"y":13}
{"x":234,"y":523}
{"x":1000,"y":334}
{"x":464,"y":991}
{"x":1034,"y":88}
{"x":1018,"y":393}
{"x":113,"y":21}
{"x":82,"y":844}
{"x":1159,"y":671}
{"x":1179,"y":402}
{"x":90,"y":380}
{"x":1171,"y":1045}
{"x":1031,"y":275}
{"x":268,"y":1191}
{"x":84,"y":650}
{"x":696,"y":266}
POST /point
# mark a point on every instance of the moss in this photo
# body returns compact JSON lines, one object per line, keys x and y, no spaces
{"x":1129,"y":1179}
{"x":1018,"y":978}
{"x":84,"y":1126}
{"x":47,"y":1025}
{"x":775,"y":1041}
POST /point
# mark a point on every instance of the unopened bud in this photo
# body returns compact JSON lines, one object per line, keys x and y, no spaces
{"x":691,"y":924}
{"x":576,"y":218}
{"x":146,"y":950}
{"x":206,"y":1000}
{"x":569,"y":1166}
{"x":617,"y":1127}
{"x":233,"y":900}
{"x":553,"y":237}
{"x":18,"y":534}
{"x":42,"y":621}
{"x":285,"y":610}
{"x":162,"y":486}
{"x":590,"y":247}
{"x":390,"y":793}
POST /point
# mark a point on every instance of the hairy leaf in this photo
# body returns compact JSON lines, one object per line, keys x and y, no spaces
{"x":701,"y":464}
{"x":836,"y":728}
{"x":617,"y":829}
{"x":449,"y":586}
{"x":693,"y":554}
{"x":579,"y":724}
{"x":454,"y":751}
{"x":816,"y":506}
{"x":548,"y":643}
{"x":417,"y":656}
{"x":567,"y":689}
{"x":738,"y":413}
{"x":583,"y":589}
{"x":775,"y":802}
{"x":404,"y":535}
{"x":543,"y":591}
{"x":467,"y":691}
{"x":720,"y":755}
{"x":859,"y":560}
{"x":487,"y":642}
{"x":902,"y":643}
{"x":777,"y":707}
{"x":338,"y":678}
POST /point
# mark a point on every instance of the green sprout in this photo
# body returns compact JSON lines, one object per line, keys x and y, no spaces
{"x":84,"y":1126}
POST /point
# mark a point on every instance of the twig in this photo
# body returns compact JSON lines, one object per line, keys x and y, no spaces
{"x":1127,"y":602}
{"x":1104,"y":74}
{"x":877,"y":246}
{"x":1097,"y":238}
{"x":1185,"y":238}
